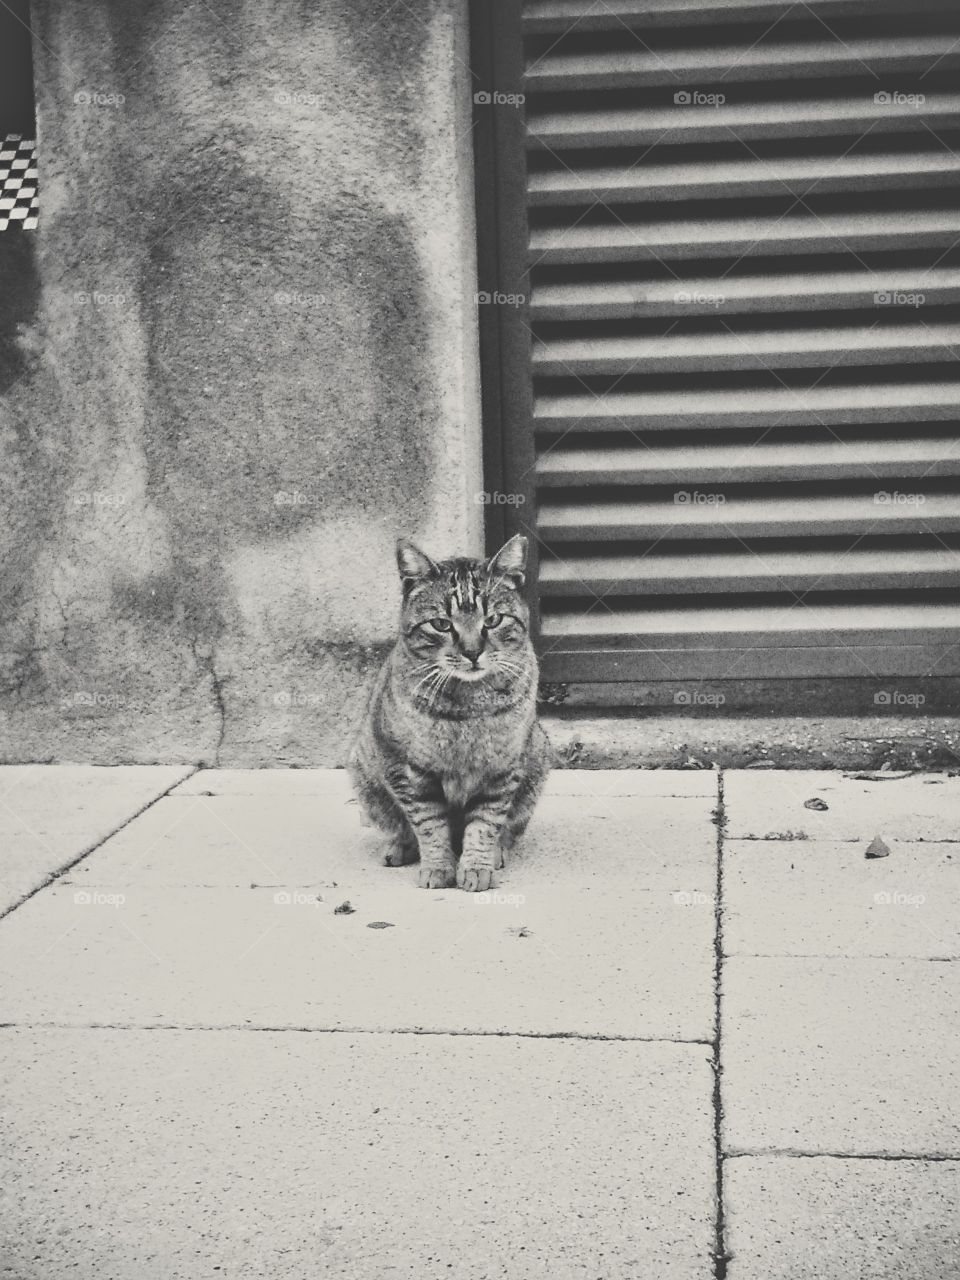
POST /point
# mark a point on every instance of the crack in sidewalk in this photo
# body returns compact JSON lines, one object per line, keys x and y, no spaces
{"x":720,"y":1255}
{"x":793,"y":1153}
{"x":353,"y":1031}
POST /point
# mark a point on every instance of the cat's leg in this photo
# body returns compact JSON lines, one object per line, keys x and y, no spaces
{"x":403,"y":848}
{"x":485,"y":818}
{"x":384,"y":812}
{"x":534,"y":769}
{"x":424,"y":807}
{"x":521,"y":809}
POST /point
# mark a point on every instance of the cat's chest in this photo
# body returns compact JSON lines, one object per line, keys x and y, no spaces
{"x":471,"y":749}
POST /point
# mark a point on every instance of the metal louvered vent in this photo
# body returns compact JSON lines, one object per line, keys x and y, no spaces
{"x":729,"y":412}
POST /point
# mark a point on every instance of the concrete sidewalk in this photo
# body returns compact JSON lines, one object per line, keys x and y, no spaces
{"x":235,"y":1044}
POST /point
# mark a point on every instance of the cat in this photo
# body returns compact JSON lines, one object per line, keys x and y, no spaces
{"x":450,"y":757}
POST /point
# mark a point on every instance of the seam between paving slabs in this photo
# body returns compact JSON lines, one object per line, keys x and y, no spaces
{"x":932,"y":1157}
{"x":720,"y":1255}
{"x":837,"y":840}
{"x":346,"y":1031}
{"x":839,"y":955}
{"x":85,"y":853}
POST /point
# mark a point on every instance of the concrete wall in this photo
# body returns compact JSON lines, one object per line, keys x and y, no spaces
{"x":237,"y":359}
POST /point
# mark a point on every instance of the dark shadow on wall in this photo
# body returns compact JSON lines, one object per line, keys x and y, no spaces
{"x":285,"y":357}
{"x":287,"y":352}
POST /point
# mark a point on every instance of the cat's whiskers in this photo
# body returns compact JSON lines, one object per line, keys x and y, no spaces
{"x":513,"y":668}
{"x":438,"y":688}
{"x":430,"y":683}
{"x":431,"y":674}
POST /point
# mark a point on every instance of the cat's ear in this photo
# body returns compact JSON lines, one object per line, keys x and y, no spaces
{"x":413,"y":563}
{"x":510,"y":561}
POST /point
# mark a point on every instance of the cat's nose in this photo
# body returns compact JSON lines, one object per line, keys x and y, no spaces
{"x":472,"y":653}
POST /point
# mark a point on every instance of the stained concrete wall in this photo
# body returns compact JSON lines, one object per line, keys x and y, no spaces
{"x":238,"y":358}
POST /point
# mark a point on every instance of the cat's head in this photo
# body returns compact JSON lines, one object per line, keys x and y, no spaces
{"x":467,"y":618}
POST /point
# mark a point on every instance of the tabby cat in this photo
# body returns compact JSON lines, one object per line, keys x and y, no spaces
{"x":450,"y":757}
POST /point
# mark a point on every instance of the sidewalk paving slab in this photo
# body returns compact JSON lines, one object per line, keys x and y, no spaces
{"x":573,"y":958}
{"x":856,"y":1056}
{"x":650,"y":842}
{"x":763,"y":804}
{"x":171,"y":1155}
{"x":51,"y":814}
{"x":820,"y":897}
{"x":838,"y":1219}
{"x":221,"y":910}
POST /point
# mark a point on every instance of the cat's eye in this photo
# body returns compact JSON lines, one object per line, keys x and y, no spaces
{"x":441,"y":624}
{"x":493,"y":620}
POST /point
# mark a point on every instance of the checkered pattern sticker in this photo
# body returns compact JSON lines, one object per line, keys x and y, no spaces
{"x":19,"y":205}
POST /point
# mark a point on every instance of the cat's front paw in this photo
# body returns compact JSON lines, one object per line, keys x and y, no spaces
{"x":436,"y":877}
{"x":474,"y":879}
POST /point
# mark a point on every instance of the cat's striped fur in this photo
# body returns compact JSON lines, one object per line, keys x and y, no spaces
{"x":450,"y":757}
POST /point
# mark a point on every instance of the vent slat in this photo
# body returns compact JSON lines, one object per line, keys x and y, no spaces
{"x":753,"y":349}
{"x":784,"y":406}
{"x":711,"y":516}
{"x":696,"y":573}
{"x":745,"y":237}
{"x":634,"y":67}
{"x":806,"y":623}
{"x":553,"y":16}
{"x":739,"y":179}
{"x":729,"y":295}
{"x":677,"y":124}
{"x":749,"y":461}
